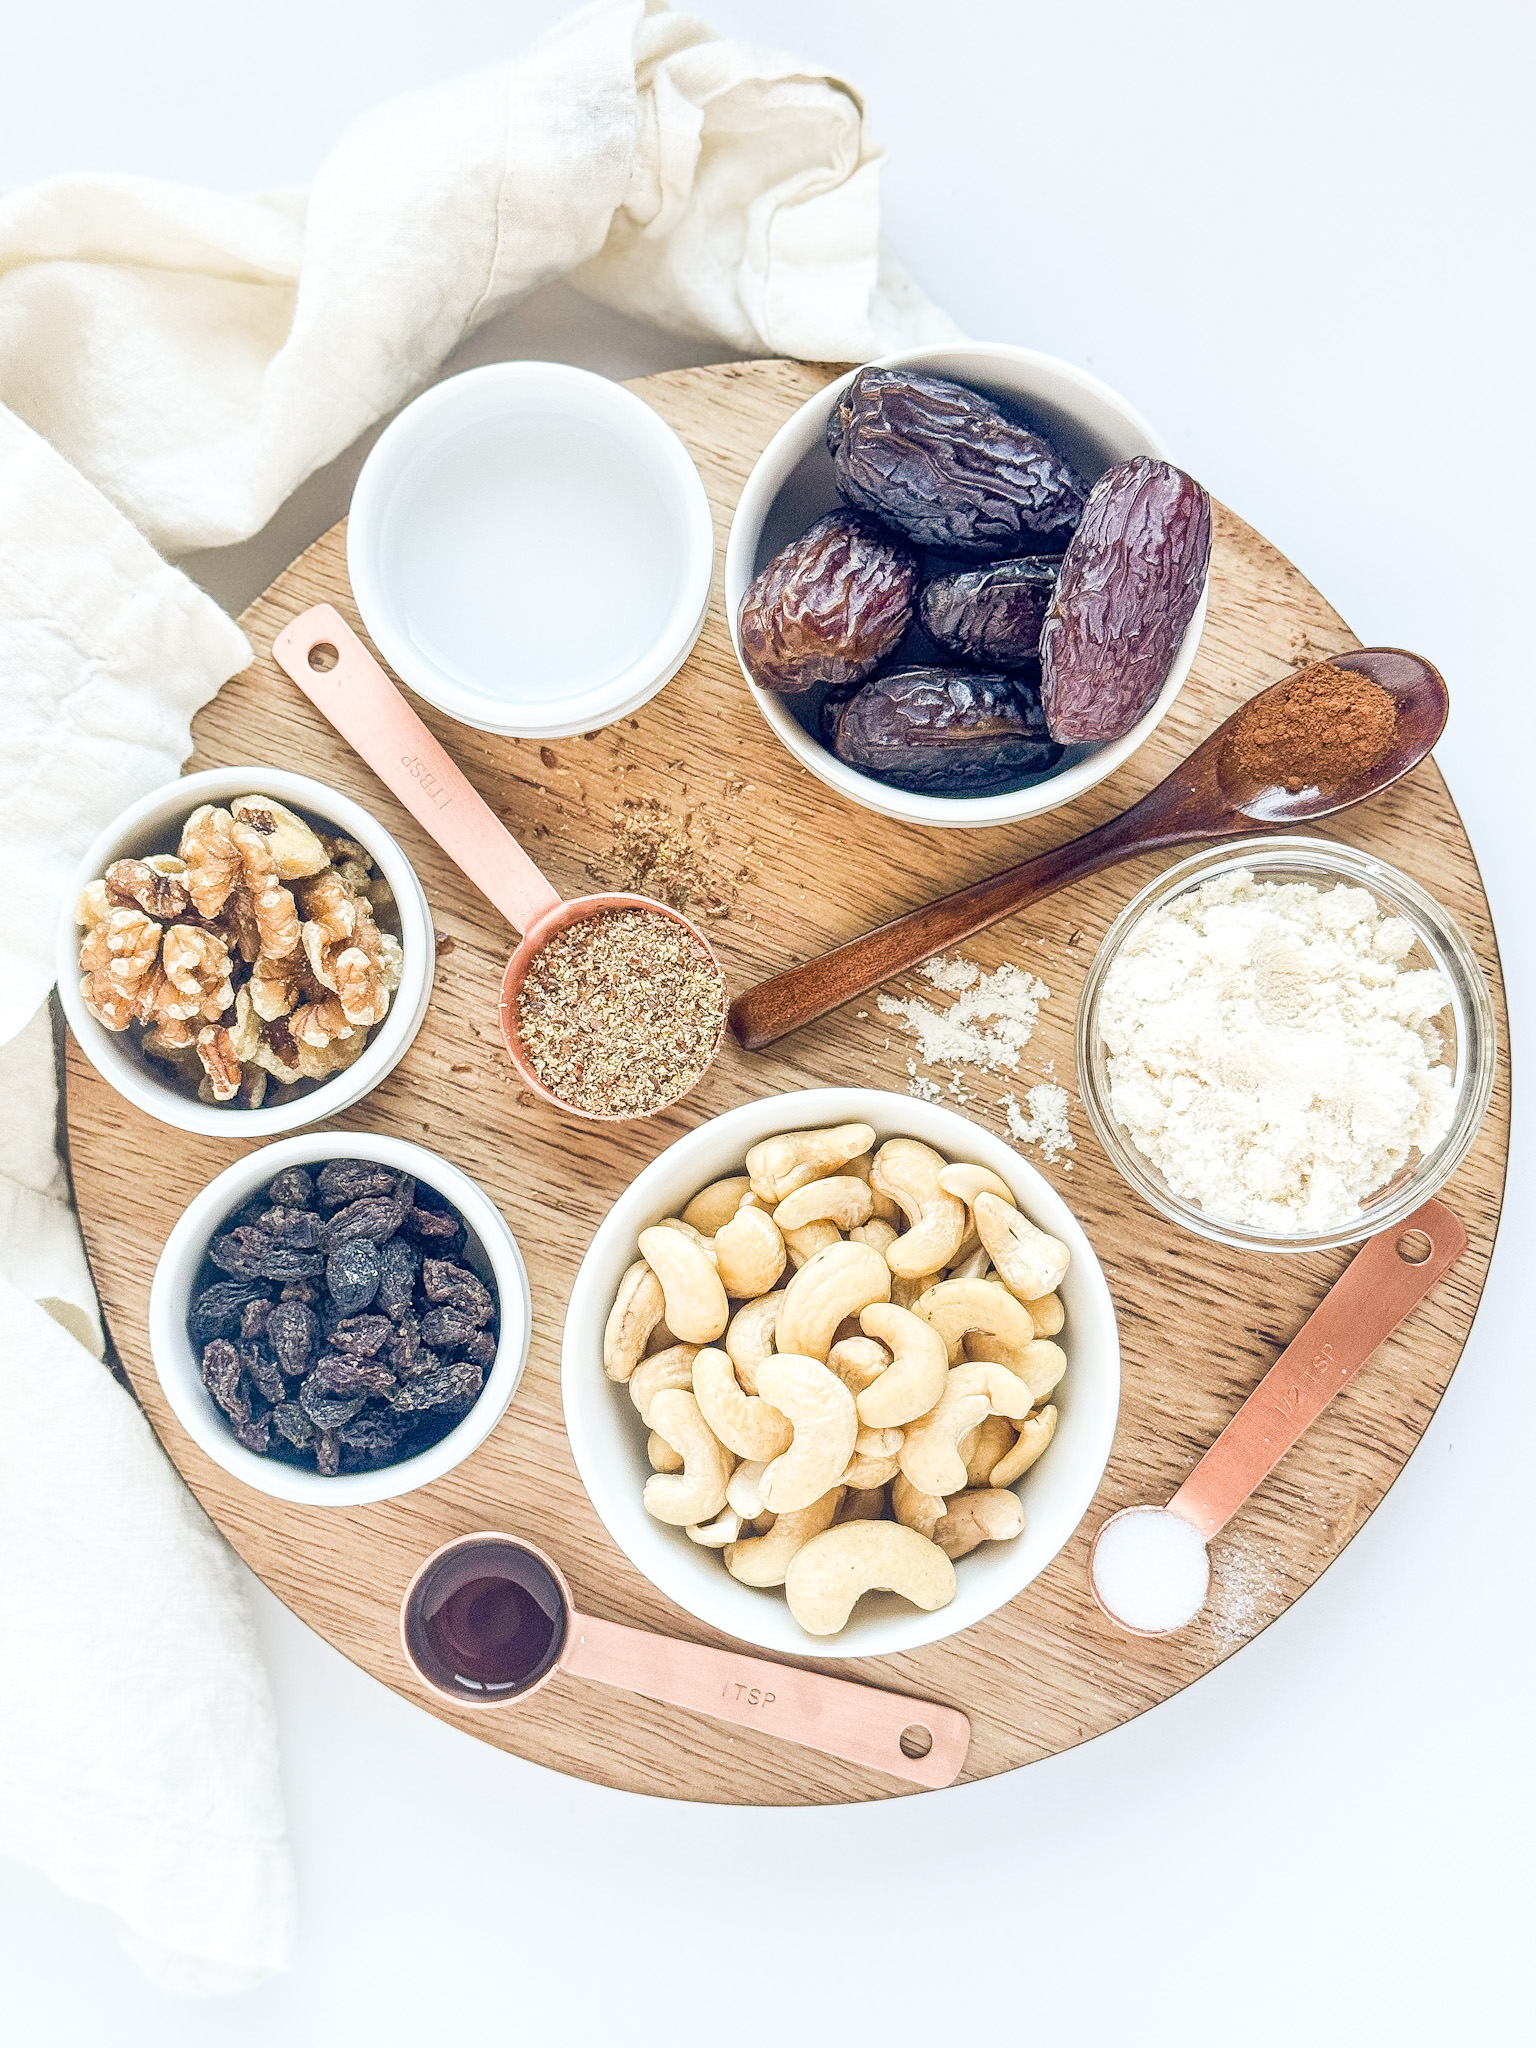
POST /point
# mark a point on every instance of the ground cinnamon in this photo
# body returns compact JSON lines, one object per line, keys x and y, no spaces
{"x":1321,"y":728}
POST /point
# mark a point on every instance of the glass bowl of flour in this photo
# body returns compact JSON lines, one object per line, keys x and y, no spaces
{"x":1285,"y":1044}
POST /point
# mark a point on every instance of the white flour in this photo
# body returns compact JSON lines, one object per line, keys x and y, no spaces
{"x":988,"y":1024}
{"x":1269,"y":1052}
{"x":1042,"y":1121}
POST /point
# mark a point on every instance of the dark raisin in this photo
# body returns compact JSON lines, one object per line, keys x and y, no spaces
{"x":292,"y":1331}
{"x":443,"y":1328}
{"x":301,"y":1228}
{"x":253,"y":1317}
{"x":1129,"y":585}
{"x":290,"y":1422}
{"x":481,"y":1350}
{"x":255,"y":1432}
{"x":409,"y":1354}
{"x":218,"y":1310}
{"x":949,"y":468}
{"x":947,"y":731}
{"x":352,"y":1274}
{"x":430,"y":1223}
{"x":341,"y":1181}
{"x":451,"y":1286}
{"x":299,"y":1290}
{"x":361,"y":1336}
{"x":335,"y":1374}
{"x":397,"y":1278}
{"x":828,"y":607}
{"x":375,"y":1219}
{"x":249,"y":1254}
{"x":265,"y":1374}
{"x":450,"y":1385}
{"x":329,"y":1411}
{"x":327,"y":1454}
{"x":221,"y":1370}
{"x":373,"y":1436}
{"x":293,"y":1188}
{"x":991,"y":616}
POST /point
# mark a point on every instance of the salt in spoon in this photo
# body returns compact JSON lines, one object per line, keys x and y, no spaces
{"x":1154,"y":1555}
{"x":1202,"y":799}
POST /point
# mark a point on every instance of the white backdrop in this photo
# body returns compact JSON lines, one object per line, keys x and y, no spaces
{"x":1299,"y":241}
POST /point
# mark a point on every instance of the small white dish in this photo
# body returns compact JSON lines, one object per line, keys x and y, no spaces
{"x":608,"y":1442}
{"x":793,"y":484}
{"x":531,"y":549}
{"x":491,"y":1250}
{"x":153,"y":825}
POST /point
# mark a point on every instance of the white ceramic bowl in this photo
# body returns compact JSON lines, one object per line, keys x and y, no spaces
{"x":531,"y":549}
{"x":609,"y":1443}
{"x":793,"y":483}
{"x":153,"y":825}
{"x":491,"y":1250}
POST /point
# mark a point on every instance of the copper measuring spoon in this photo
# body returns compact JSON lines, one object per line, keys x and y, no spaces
{"x":1201,"y":799}
{"x":1379,"y":1289}
{"x":338,"y":675}
{"x":488,"y":1620}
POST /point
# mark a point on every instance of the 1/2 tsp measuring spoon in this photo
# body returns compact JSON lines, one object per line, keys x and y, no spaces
{"x":1380,"y":1287}
{"x":338,"y":675}
{"x":489,"y":1619}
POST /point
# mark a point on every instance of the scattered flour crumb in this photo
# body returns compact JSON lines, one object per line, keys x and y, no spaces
{"x":1045,"y":1124}
{"x":918,"y":1085}
{"x":953,"y":976}
{"x":989,"y":1023}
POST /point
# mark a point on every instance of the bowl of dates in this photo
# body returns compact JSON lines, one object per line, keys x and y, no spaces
{"x":244,"y":952}
{"x":340,"y":1319}
{"x":964,"y":583}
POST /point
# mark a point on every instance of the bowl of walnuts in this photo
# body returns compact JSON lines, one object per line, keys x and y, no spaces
{"x":245,"y":951}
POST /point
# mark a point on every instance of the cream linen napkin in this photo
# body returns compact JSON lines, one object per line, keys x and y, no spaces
{"x":172,"y":364}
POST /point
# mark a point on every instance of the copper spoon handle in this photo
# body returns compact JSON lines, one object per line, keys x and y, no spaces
{"x":372,"y":716}
{"x":858,"y":1723}
{"x":1377,"y":1290}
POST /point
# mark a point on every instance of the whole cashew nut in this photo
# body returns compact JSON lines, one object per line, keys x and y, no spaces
{"x":916,"y":1376}
{"x":713,"y":1207}
{"x":809,"y":1239}
{"x":989,"y":1515}
{"x":744,"y":1489}
{"x":967,"y":1182}
{"x":821,"y":1413}
{"x":827,"y":1575}
{"x":670,"y":1368}
{"x":763,"y":1560}
{"x":919,"y":1510}
{"x":930,"y":1454}
{"x":1034,"y":1436}
{"x":749,"y":1254}
{"x":877,"y":1232}
{"x":979,"y":1310}
{"x":705,"y":1244}
{"x":661,"y":1454}
{"x":725,"y":1528}
{"x":858,"y":1362}
{"x":697,"y":1493}
{"x":909,"y":1173}
{"x":696,"y":1308}
{"x":837,"y":1282}
{"x":1047,"y":1315}
{"x":637,"y":1309}
{"x":1029,"y":1262}
{"x":779,"y":1165}
{"x":749,"y":1337}
{"x":988,"y":1443}
{"x":883,"y":1209}
{"x":744,"y":1423}
{"x":840,"y":1199}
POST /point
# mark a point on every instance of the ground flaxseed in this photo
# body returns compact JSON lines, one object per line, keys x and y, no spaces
{"x":620,"y":1014}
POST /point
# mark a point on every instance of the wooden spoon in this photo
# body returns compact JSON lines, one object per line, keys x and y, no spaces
{"x":1201,"y":799}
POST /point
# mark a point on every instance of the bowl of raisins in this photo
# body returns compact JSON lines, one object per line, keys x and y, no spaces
{"x":340,"y":1318}
{"x":964,"y":584}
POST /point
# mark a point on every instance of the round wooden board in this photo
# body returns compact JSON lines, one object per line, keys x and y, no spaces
{"x":782,"y":868}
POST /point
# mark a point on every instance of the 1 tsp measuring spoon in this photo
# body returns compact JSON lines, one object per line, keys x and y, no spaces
{"x":1163,"y":1549}
{"x":338,"y":675}
{"x":489,"y":1619}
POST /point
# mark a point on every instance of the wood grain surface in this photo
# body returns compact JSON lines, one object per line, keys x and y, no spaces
{"x":781,"y":868}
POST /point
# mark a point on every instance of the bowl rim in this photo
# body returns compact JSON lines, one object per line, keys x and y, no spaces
{"x":785,"y":450}
{"x":171,"y":1348}
{"x":507,"y":388}
{"x":584,"y":1385}
{"x":119,"y":1067}
{"x":1477,"y":1031}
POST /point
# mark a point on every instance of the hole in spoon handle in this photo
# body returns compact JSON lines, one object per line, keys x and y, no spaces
{"x":858,"y":1723}
{"x":1379,"y":1288}
{"x":322,"y":654}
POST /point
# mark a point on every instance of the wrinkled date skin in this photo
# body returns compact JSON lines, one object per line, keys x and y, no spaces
{"x":829,"y":606}
{"x":946,"y":466}
{"x":991,"y":616}
{"x":1129,"y":585}
{"x":946,"y":731}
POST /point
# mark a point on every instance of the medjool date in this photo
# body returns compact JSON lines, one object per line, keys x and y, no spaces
{"x":828,"y":606}
{"x":1129,"y":585}
{"x":946,"y":731}
{"x":991,"y":616}
{"x":948,"y":468}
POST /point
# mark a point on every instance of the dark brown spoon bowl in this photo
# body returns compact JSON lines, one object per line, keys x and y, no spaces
{"x":1193,"y":803}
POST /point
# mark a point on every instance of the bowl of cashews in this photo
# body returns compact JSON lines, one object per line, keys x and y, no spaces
{"x":841,"y":1373}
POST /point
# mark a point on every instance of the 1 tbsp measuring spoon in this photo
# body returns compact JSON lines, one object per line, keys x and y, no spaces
{"x":1380,"y":1287}
{"x":488,"y":1620}
{"x":330,"y":664}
